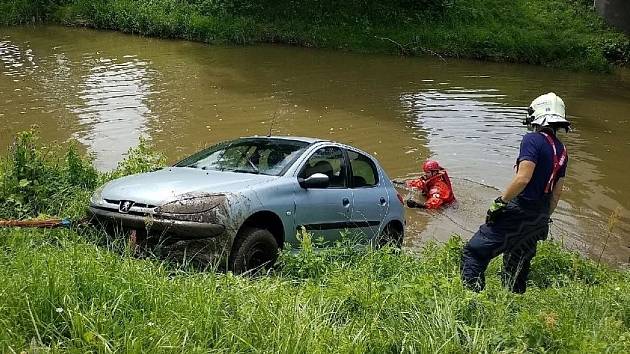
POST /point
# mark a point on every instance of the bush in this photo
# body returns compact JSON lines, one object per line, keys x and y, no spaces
{"x":139,"y":159}
{"x":28,"y":11}
{"x":322,"y":10}
{"x":36,"y":182}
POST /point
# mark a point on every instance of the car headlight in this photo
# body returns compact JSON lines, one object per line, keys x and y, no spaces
{"x":97,"y":196}
{"x":192,"y":204}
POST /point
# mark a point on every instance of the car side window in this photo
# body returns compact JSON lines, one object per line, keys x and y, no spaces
{"x":329,"y":161}
{"x":364,"y":172}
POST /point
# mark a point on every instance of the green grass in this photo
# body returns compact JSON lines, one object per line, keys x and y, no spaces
{"x":62,"y":292}
{"x":76,"y":290}
{"x":558,"y":33}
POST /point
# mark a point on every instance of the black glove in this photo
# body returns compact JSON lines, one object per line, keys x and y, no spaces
{"x":496,"y":208}
{"x":413,"y":204}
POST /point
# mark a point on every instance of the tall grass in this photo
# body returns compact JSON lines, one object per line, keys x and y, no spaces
{"x":559,"y":33}
{"x":62,"y":293}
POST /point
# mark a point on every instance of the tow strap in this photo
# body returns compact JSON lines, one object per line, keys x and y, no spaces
{"x":558,"y":162}
{"x":37,"y":223}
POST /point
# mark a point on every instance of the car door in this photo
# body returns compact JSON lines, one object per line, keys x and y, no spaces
{"x":325,"y":212}
{"x":370,"y":200}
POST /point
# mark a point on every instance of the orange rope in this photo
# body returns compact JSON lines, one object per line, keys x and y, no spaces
{"x":48,"y":223}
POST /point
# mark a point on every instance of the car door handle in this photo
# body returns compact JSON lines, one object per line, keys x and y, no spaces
{"x":345,"y":202}
{"x":383,"y":201}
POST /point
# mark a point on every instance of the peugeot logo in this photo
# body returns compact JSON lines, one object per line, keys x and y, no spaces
{"x":125,"y":206}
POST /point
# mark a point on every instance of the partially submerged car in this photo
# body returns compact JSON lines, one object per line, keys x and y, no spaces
{"x":238,"y":202}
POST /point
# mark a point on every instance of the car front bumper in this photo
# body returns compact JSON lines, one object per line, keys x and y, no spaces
{"x":157,"y":223}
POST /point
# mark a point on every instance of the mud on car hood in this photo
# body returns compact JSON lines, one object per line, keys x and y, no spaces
{"x":159,"y":187}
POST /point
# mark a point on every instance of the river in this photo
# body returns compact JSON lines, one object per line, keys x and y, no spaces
{"x":107,"y":90}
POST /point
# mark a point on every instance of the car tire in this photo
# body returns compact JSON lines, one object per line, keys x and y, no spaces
{"x":390,"y":235}
{"x":254,"y":249}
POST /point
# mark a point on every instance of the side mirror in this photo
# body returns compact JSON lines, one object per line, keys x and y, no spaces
{"x":316,"y":180}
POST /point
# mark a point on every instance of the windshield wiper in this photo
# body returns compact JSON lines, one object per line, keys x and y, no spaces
{"x":240,"y":170}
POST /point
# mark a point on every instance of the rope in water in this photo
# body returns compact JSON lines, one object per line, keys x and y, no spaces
{"x":401,"y":183}
{"x":454,"y":221}
{"x":477,"y":182}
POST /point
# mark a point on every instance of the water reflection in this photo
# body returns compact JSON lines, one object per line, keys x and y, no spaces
{"x":115,"y":112}
{"x":470,"y":130}
{"x":17,"y":62}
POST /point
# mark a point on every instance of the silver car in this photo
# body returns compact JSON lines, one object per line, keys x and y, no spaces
{"x":238,"y":202}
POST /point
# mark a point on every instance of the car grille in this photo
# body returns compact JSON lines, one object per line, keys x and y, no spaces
{"x":113,"y":205}
{"x":135,"y":205}
{"x":131,"y":212}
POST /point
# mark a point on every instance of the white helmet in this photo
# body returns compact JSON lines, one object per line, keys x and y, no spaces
{"x":547,"y":110}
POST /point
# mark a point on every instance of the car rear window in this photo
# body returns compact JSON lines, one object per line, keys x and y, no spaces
{"x":252,"y":155}
{"x":364,"y":172}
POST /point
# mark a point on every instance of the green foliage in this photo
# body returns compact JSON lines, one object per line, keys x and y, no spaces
{"x":139,"y":159}
{"x":61,"y":293}
{"x":315,"y":258}
{"x":617,"y":51}
{"x":35,"y":182}
{"x":560,"y":33}
{"x":14,"y":12}
{"x":555,"y":267}
{"x":323,"y":11}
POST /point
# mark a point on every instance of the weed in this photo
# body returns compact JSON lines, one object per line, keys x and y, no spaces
{"x":35,"y":182}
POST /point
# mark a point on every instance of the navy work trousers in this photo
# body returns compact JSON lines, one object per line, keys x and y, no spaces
{"x":514,"y":233}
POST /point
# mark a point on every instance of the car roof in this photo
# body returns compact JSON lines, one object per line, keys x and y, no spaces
{"x":296,"y":138}
{"x":311,"y":141}
{"x":307,"y":140}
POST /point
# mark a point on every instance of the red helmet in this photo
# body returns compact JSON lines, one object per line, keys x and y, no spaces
{"x":431,"y":165}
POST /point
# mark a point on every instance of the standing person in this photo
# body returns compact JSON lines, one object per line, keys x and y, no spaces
{"x":520,"y":216}
{"x":434,"y":184}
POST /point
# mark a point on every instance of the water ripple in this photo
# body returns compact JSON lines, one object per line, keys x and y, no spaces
{"x":467,"y":128}
{"x":115,"y":112}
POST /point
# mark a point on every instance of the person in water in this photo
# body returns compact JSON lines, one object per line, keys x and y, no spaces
{"x":520,"y":217}
{"x":434,"y":184}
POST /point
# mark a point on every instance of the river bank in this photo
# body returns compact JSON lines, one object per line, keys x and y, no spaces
{"x":559,"y":33}
{"x":77,"y":290}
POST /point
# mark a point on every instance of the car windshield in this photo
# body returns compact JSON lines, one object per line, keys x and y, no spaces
{"x":253,"y":155}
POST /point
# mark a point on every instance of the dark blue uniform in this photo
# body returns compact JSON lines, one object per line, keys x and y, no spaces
{"x":523,"y":222}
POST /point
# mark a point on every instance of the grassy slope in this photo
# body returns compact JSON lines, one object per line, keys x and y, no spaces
{"x":562,"y":33}
{"x":72,"y":290}
{"x":63,"y":292}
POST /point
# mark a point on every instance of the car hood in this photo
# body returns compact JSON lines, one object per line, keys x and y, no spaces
{"x":159,"y":187}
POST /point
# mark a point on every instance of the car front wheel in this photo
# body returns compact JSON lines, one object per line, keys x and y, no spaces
{"x":254,"y":249}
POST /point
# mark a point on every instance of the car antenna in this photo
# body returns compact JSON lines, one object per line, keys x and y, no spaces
{"x":273,"y":120}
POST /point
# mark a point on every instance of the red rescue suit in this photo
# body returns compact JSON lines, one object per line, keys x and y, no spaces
{"x":437,"y":189}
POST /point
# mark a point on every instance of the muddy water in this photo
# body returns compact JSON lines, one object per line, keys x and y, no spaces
{"x":106,"y":90}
